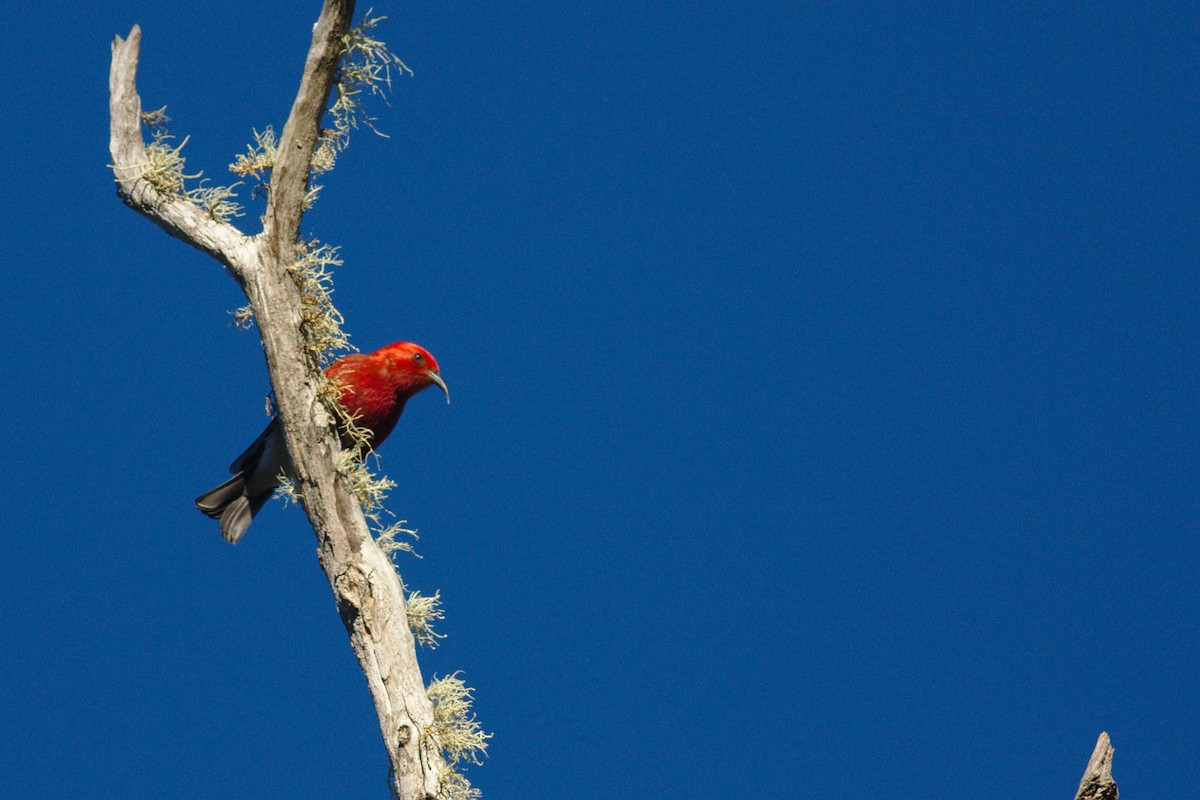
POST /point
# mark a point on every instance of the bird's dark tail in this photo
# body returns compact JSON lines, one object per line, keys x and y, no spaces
{"x":230,"y":504}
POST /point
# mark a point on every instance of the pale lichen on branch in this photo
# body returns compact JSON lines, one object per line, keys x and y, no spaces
{"x":312,"y":269}
{"x":164,"y":166}
{"x":457,"y":733}
{"x":217,"y":201}
{"x":157,"y":118}
{"x":423,"y":611}
{"x":389,"y":541}
{"x":165,"y":171}
{"x":454,"y":785}
{"x":259,"y":157}
{"x":366,"y":65}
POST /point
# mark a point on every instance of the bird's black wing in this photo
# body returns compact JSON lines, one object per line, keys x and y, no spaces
{"x":254,"y":452}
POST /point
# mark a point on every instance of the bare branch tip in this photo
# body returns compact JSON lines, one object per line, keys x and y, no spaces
{"x":1097,"y":782}
{"x":132,"y":40}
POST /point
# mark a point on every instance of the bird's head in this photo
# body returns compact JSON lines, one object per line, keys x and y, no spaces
{"x":411,"y":367}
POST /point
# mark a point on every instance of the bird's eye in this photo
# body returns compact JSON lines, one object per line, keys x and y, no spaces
{"x":418,"y":357}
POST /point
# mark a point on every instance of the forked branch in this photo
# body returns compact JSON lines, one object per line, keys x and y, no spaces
{"x":367,"y":590}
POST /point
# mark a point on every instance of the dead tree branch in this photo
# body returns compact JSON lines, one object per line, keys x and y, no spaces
{"x":366,"y":587}
{"x":1098,"y":783}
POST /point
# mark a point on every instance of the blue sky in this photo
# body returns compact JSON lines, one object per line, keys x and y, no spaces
{"x":825,"y":403}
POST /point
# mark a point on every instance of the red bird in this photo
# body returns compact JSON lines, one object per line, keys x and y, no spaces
{"x":375,"y":387}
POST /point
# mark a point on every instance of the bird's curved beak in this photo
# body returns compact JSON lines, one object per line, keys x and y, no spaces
{"x":441,"y":384}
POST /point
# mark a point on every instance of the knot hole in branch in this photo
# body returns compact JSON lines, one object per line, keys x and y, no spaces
{"x":354,"y":598}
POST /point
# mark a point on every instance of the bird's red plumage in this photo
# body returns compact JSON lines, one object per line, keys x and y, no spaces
{"x":375,"y":387}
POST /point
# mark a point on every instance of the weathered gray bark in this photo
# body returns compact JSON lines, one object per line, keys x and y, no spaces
{"x":1098,"y":783}
{"x":367,"y":590}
